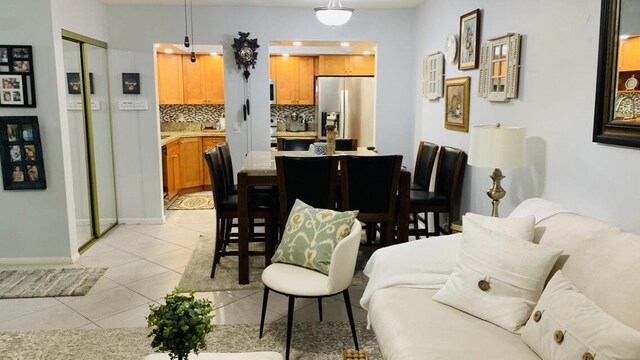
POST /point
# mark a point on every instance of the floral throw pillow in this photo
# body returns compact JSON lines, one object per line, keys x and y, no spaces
{"x":311,"y":235}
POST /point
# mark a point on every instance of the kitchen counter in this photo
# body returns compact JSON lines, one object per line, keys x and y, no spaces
{"x":170,"y":136}
{"x":301,"y":134}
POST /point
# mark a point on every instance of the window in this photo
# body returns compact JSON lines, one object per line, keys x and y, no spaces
{"x":499,"y":68}
{"x":432,"y":74}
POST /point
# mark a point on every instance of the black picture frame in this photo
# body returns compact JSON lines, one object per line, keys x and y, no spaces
{"x":17,"y":80}
{"x":469,"y":43}
{"x":131,"y":83}
{"x":74,"y":85}
{"x":21,"y":153}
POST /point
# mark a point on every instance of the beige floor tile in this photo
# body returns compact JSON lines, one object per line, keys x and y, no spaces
{"x":218,"y":298}
{"x":279,"y":303}
{"x":101,"y":285}
{"x":89,"y":326}
{"x":134,"y":271}
{"x":141,"y":245}
{"x":178,"y":235}
{"x":243,"y":293}
{"x":135,"y":317}
{"x":156,"y":286}
{"x":56,"y":317}
{"x":107,"y":303}
{"x":108,"y":259}
{"x":13,"y":308}
{"x":208,"y":228}
{"x":180,"y":270}
{"x":173,"y":260}
{"x":196,"y":217}
{"x":332,"y":310}
{"x":96,"y":249}
{"x":242,"y":312}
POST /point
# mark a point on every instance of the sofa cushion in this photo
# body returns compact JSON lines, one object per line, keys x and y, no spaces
{"x":411,"y":326}
{"x":567,"y":325}
{"x":517,"y":227}
{"x":498,"y":278}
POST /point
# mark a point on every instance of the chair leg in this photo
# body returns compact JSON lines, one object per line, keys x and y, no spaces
{"x":436,"y":223}
{"x":268,"y":244}
{"x":292,"y":301}
{"x":265,"y":298}
{"x":347,"y":301}
{"x":218,"y":246}
{"x":416,"y":223}
{"x":320,"y":308}
{"x":371,"y":233}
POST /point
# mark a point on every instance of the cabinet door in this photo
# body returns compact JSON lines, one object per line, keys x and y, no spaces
{"x":306,"y":93}
{"x":362,"y":65}
{"x":173,"y":169}
{"x":286,"y":79}
{"x":170,"y":87}
{"x":208,"y":143}
{"x":213,"y":78}
{"x":630,"y":54}
{"x":191,"y":162}
{"x":192,"y":78}
{"x":332,"y":65}
{"x":272,"y":67}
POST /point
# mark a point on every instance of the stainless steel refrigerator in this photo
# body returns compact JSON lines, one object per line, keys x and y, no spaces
{"x":353,"y":100}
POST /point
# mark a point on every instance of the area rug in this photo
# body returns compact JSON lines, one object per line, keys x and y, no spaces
{"x":196,"y":274}
{"x":197,"y":201}
{"x":310,"y":341}
{"x":47,"y":282}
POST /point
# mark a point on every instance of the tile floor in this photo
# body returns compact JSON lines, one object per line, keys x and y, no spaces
{"x":144,"y":263}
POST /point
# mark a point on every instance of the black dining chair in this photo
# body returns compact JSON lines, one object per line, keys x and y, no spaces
{"x":346,"y":144}
{"x":422,"y":172}
{"x":294,"y":144}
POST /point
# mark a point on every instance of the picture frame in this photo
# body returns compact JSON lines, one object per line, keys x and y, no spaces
{"x":21,"y":157}
{"x":74,"y":85}
{"x":17,"y":80}
{"x":456,"y":113}
{"x":469,"y":36}
{"x":433,"y":76}
{"x":500,"y":68}
{"x":131,"y":83}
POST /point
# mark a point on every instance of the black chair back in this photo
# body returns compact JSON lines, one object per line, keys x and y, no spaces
{"x":370,"y":183}
{"x":346,"y":144}
{"x":225,"y":154}
{"x":216,"y":172}
{"x":451,"y":168}
{"x":424,"y":164}
{"x":294,"y":144}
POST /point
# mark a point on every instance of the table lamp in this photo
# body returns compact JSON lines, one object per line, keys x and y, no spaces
{"x":497,"y":146}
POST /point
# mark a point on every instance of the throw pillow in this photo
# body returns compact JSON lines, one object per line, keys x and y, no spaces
{"x":311,"y":235}
{"x":517,"y":227}
{"x":567,"y":325}
{"x":497,"y":278}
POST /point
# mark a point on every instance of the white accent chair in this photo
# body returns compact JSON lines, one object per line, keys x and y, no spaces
{"x":298,"y":282}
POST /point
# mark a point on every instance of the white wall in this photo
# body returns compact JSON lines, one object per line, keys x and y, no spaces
{"x":556,"y":105}
{"x":134,"y":29}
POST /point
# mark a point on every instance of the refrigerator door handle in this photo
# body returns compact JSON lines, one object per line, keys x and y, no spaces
{"x":345,"y":114}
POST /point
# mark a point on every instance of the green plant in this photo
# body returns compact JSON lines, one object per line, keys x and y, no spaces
{"x":180,"y":325}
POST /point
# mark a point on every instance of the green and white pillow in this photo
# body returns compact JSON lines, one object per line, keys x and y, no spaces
{"x":311,"y":235}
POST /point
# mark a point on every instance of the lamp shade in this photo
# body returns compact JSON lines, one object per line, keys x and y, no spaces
{"x":334,"y":14}
{"x":496,"y":146}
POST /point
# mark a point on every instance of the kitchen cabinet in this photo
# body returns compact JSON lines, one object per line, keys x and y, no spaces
{"x":170,"y":84}
{"x":346,"y":65}
{"x":190,"y":162}
{"x":629,"y":54}
{"x":203,"y":80}
{"x":294,"y":79}
{"x":172,"y":169}
{"x":208,"y":142}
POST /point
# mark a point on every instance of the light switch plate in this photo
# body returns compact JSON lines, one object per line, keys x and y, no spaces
{"x":236,"y":127}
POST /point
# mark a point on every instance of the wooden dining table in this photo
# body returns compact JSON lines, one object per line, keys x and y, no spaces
{"x":259,"y":168}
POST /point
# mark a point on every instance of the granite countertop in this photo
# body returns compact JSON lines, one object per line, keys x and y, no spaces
{"x":171,"y":136}
{"x":296,"y":134}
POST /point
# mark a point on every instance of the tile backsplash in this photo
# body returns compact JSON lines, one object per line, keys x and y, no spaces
{"x":191,"y":113}
{"x":281,"y":111}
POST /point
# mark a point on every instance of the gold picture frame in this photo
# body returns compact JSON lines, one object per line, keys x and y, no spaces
{"x":456,"y":105}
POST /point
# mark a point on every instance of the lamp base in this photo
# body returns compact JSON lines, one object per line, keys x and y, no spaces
{"x":496,"y":192}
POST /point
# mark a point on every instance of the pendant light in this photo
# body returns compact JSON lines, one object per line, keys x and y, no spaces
{"x":186,"y":31}
{"x":193,"y":48}
{"x":334,"y":14}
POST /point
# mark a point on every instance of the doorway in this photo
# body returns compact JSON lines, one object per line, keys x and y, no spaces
{"x":88,"y":109}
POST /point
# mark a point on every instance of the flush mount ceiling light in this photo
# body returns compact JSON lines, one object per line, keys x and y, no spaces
{"x":334,"y":14}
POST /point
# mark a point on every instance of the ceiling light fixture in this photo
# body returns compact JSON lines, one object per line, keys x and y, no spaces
{"x":168,"y":51}
{"x":297,"y":43}
{"x":366,"y":53}
{"x":214,"y":54}
{"x":334,"y":14}
{"x":344,"y":44}
{"x":193,"y":48}
{"x":625,"y":37}
{"x":186,"y":31}
{"x":285,"y":55}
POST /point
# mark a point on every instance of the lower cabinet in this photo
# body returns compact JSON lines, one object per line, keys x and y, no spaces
{"x":172,"y":169}
{"x":190,"y":162}
{"x":208,"y":143}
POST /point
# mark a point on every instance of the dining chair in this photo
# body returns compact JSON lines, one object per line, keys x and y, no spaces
{"x":422,"y":172}
{"x":299,"y":282}
{"x":313,"y":180}
{"x":261,"y":206}
{"x":369,"y":184}
{"x":446,"y":196}
{"x":346,"y":144}
{"x":294,"y":144}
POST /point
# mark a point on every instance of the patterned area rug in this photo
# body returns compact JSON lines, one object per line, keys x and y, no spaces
{"x":47,"y":282}
{"x":196,"y":275}
{"x":310,"y":341}
{"x":197,"y":201}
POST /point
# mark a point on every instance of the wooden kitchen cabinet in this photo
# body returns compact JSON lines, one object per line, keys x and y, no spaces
{"x":346,"y":65}
{"x":214,"y":78}
{"x":170,"y":84}
{"x":629,"y":54}
{"x":294,"y":80}
{"x":208,"y":142}
{"x":190,"y":162}
{"x":203,"y":80}
{"x":172,"y":169}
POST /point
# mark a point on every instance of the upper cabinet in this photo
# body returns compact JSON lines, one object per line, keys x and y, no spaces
{"x":294,"y":79}
{"x":629,"y":54}
{"x":181,"y":81}
{"x":346,"y":65}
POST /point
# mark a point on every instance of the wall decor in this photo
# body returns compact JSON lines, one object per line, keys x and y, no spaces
{"x":456,"y":114}
{"x":17,"y":81}
{"x":21,"y":153}
{"x":432,"y":76}
{"x":74,"y":85}
{"x":469,"y":40}
{"x":500,"y":68}
{"x":131,"y":83}
{"x":244,"y":50}
{"x":451,"y":48}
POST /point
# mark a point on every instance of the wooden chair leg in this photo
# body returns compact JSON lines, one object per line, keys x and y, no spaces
{"x":347,"y":302}
{"x":265,"y":298}
{"x":320,"y":308}
{"x":218,"y":246}
{"x":292,"y":301}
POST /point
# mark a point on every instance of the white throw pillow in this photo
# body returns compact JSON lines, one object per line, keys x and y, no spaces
{"x":517,"y":227}
{"x":567,"y":325}
{"x":497,"y":278}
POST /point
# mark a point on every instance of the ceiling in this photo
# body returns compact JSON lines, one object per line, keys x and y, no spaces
{"x":357,"y":4}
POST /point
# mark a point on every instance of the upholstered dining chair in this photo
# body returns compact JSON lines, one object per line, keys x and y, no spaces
{"x":346,"y":144}
{"x":299,"y":282}
{"x":422,"y":172}
{"x":261,"y":206}
{"x":294,"y":144}
{"x":446,"y":196}
{"x":369,"y":184}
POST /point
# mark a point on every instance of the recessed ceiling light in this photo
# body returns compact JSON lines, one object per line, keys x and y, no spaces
{"x":214,"y":54}
{"x":157,"y":45}
{"x":367,"y":53}
{"x":168,"y":51}
{"x":375,"y":48}
{"x":624,"y":37}
{"x":344,"y":44}
{"x":285,"y":55}
{"x":297,"y":43}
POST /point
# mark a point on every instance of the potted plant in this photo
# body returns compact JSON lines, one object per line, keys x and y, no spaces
{"x":180,"y":325}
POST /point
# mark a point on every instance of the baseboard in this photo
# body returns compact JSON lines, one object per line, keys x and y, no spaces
{"x":41,"y":260}
{"x":141,"y":221}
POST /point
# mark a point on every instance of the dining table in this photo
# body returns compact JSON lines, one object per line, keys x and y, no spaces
{"x":259,"y":168}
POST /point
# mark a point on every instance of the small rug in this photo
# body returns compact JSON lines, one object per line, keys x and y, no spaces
{"x":47,"y":282}
{"x":197,"y":201}
{"x":309,"y":341}
{"x":196,"y":274}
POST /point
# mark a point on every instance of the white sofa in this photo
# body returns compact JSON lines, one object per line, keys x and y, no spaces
{"x":601,"y":260}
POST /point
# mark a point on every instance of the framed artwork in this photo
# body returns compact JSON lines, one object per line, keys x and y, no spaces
{"x":500,"y":68}
{"x":456,"y":114}
{"x":74,"y":85}
{"x":21,"y":153}
{"x":432,"y":76}
{"x":131,"y":83}
{"x":469,"y":40}
{"x":17,"y":82}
